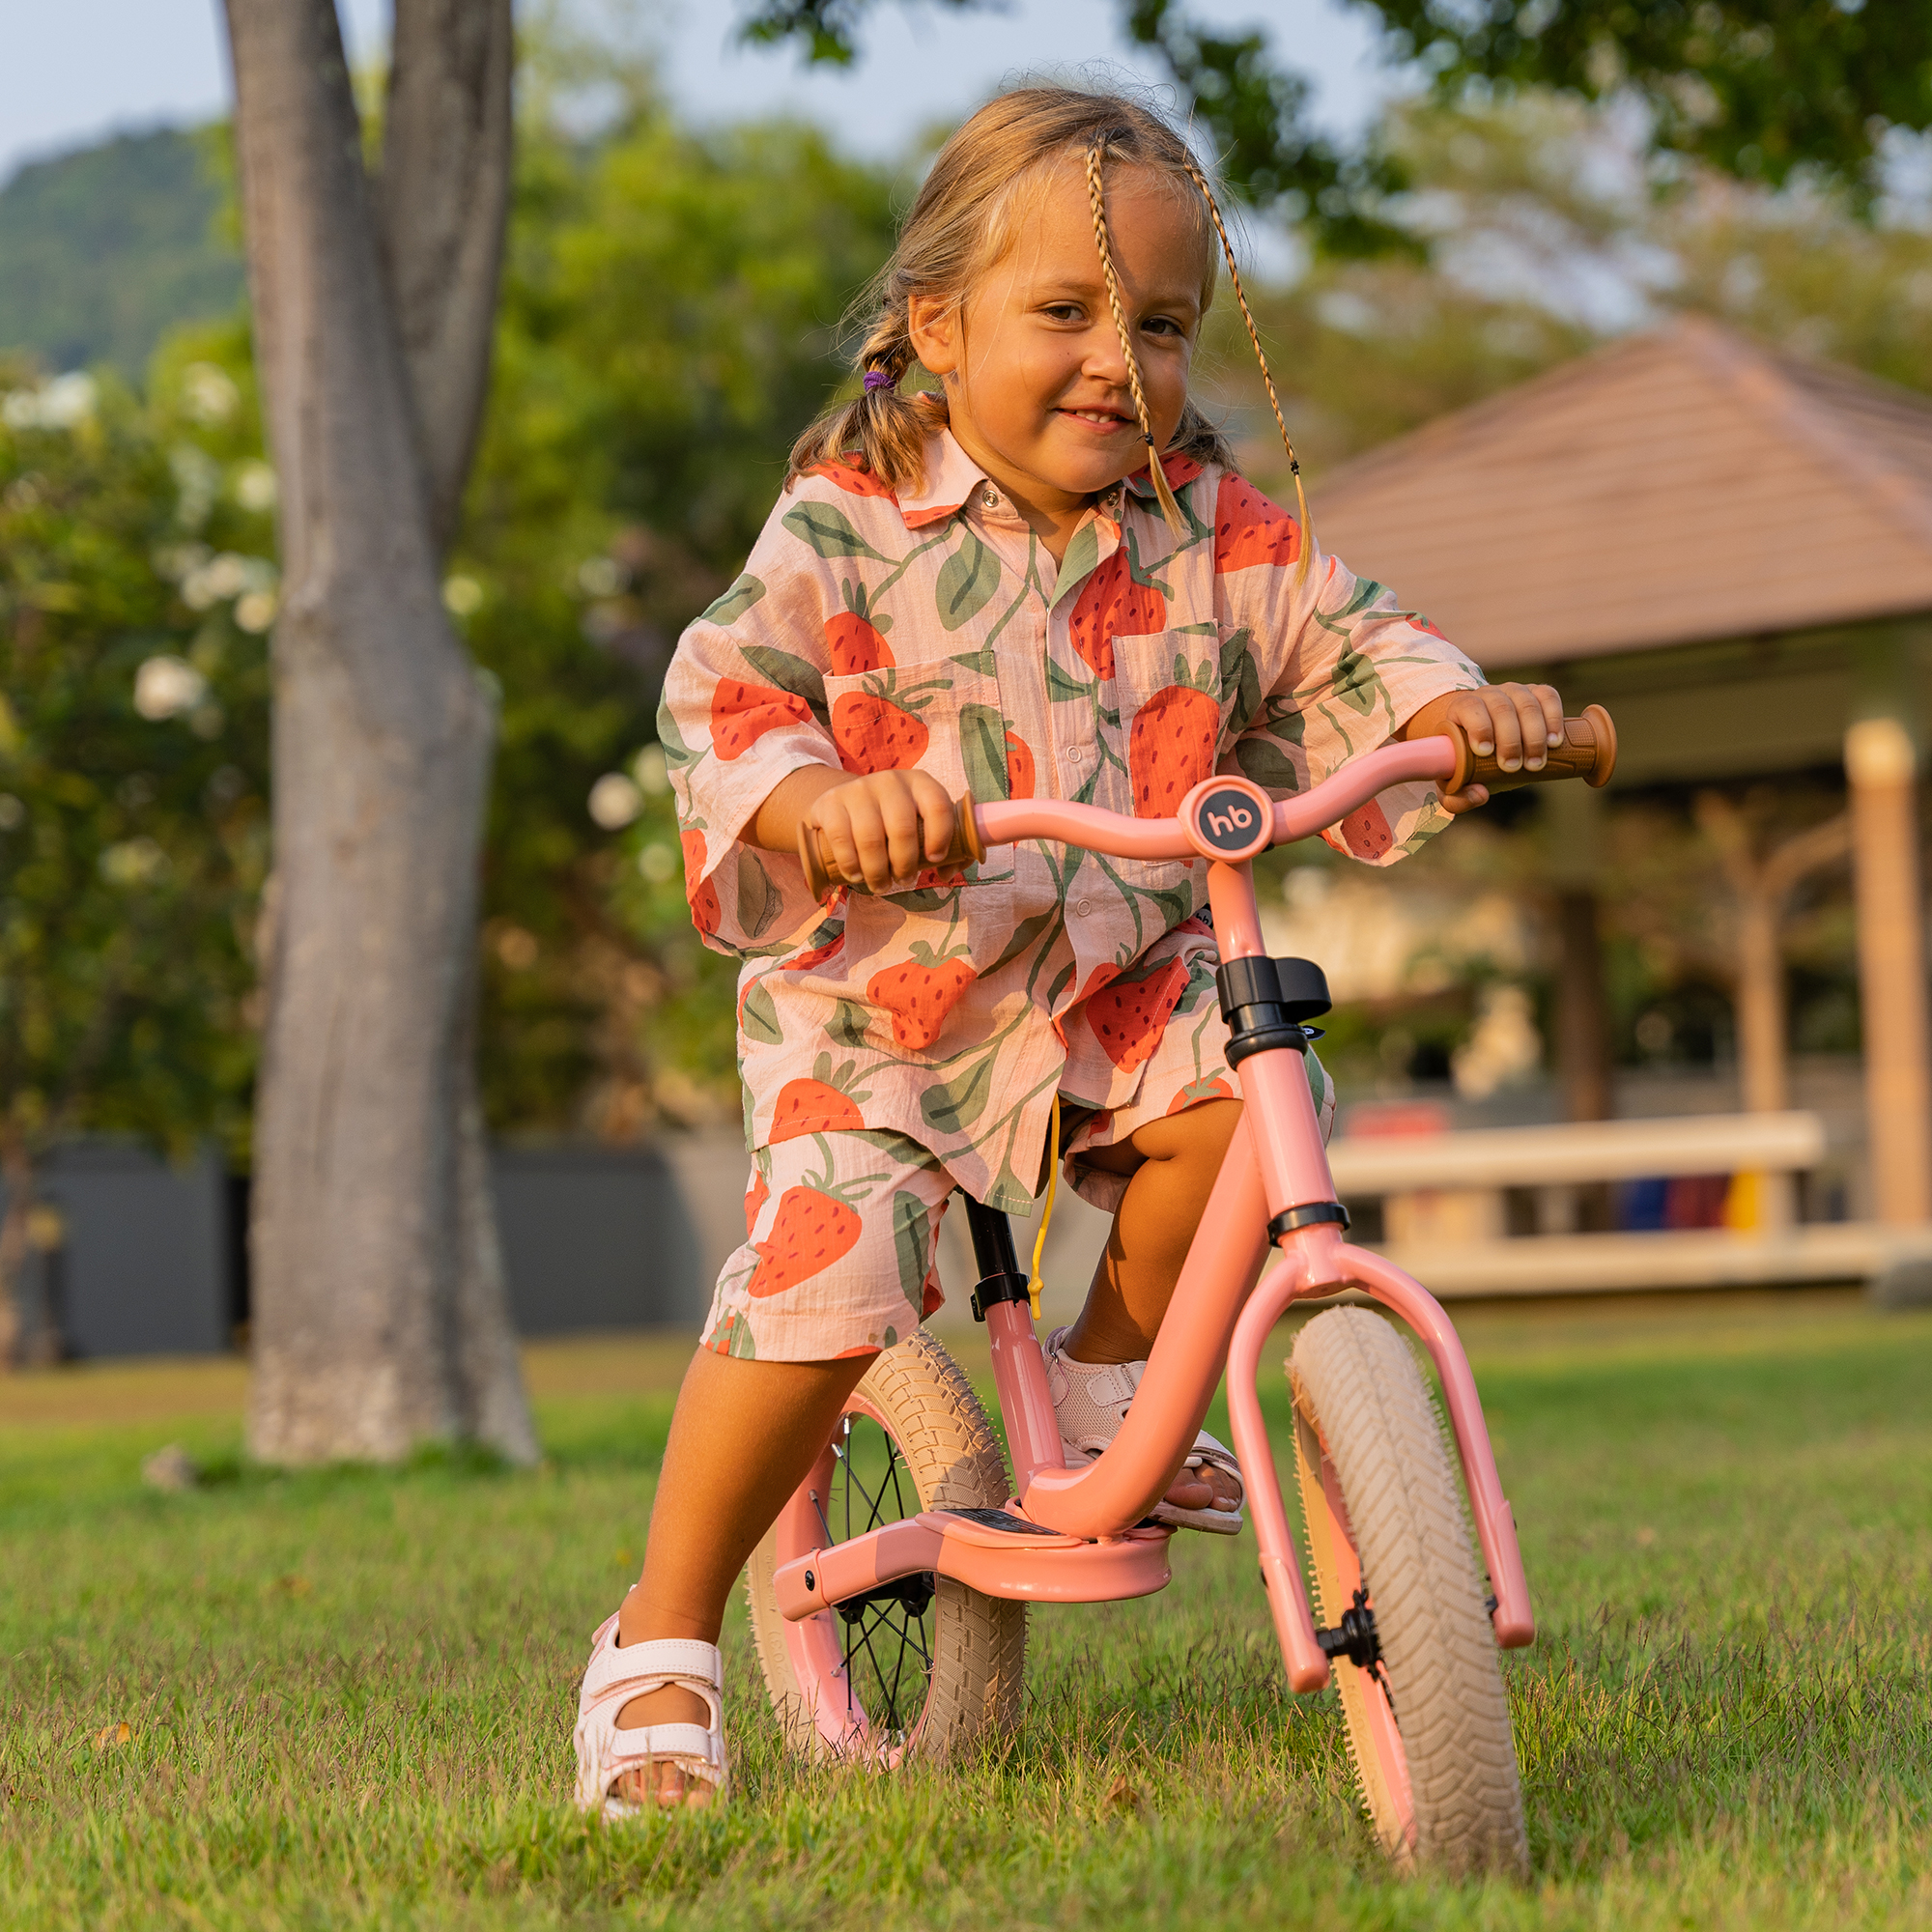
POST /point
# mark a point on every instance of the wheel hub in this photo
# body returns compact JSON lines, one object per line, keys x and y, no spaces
{"x":1354,"y":1636}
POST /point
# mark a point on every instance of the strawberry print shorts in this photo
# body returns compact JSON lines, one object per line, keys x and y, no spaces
{"x":841,"y":1228}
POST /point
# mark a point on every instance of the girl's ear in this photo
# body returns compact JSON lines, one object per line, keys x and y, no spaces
{"x":933,"y":327}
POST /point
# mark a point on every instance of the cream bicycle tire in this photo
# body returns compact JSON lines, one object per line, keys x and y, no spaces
{"x":1429,"y":1725}
{"x":976,"y":1668}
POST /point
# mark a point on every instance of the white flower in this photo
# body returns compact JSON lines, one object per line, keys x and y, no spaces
{"x":256,"y":612}
{"x":166,"y":686}
{"x":226,"y":576}
{"x":461,"y":596}
{"x":132,"y":863}
{"x":197,"y":482}
{"x":255,"y":486}
{"x":658,"y":863}
{"x":208,"y":394}
{"x":599,"y":577}
{"x":63,"y":402}
{"x":175,"y":561}
{"x":614,"y":801}
{"x":648,"y":769}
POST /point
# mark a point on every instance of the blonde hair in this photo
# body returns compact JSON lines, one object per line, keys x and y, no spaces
{"x":965,"y":217}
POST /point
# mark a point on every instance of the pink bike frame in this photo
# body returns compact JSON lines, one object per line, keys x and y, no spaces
{"x":1218,"y":1319}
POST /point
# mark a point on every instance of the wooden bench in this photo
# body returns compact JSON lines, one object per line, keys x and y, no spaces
{"x":1467,"y":1174}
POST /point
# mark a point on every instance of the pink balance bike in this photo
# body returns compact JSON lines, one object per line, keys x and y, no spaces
{"x":889,"y":1599}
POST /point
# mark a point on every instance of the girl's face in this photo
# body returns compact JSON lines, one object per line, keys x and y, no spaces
{"x":1035,"y":378}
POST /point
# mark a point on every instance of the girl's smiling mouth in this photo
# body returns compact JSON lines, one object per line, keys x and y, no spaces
{"x":1096,"y":417}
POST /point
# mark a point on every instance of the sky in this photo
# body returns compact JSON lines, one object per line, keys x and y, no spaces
{"x":76,"y":70}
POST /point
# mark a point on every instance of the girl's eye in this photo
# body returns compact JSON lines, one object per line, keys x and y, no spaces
{"x":1063,"y":311}
{"x":1162,"y":325}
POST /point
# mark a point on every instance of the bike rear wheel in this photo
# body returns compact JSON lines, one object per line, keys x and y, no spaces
{"x":925,"y":1665}
{"x":1428,"y":1717}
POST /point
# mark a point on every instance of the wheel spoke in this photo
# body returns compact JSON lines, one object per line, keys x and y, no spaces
{"x":889,"y":1643}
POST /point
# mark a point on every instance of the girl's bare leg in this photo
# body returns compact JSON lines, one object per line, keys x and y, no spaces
{"x":1174,"y":1163}
{"x":743,"y":1437}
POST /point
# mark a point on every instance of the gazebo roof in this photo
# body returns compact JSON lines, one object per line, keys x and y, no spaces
{"x":1684,"y":484}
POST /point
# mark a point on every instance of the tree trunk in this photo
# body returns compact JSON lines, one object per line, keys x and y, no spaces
{"x":17,"y":1172}
{"x":380,"y":1319}
{"x":1761,"y":884}
{"x":1762,"y":1077}
{"x":1582,"y":1009}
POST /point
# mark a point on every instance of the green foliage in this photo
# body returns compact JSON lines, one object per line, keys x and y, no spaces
{"x":1758,"y":88}
{"x":135,"y":584}
{"x":671,"y":322}
{"x":1253,"y":111}
{"x":103,"y":251}
{"x":349,"y":1696}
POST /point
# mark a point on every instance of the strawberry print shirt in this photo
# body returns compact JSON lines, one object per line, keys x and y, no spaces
{"x":872,"y":631}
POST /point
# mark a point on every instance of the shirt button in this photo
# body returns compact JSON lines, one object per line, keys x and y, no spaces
{"x":989,"y":497}
{"x":1085,"y":907}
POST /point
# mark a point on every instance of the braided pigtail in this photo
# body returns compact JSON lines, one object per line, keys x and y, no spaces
{"x":1170,"y":509}
{"x":1260,"y":356}
{"x":882,"y":426}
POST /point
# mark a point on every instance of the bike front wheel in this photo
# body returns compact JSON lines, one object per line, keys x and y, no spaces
{"x":1422,"y":1690}
{"x":924,"y":1665}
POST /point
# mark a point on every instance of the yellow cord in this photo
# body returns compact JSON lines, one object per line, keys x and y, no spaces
{"x":1046,"y":1218}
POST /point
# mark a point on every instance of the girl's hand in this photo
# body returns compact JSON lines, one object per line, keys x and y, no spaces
{"x":881,"y":829}
{"x":1517,"y":722}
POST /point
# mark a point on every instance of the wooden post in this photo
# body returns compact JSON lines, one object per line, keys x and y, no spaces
{"x":1573,"y":832}
{"x":1582,"y":1009}
{"x":1881,"y":763}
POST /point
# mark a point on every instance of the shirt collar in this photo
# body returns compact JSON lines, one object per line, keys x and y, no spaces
{"x":950,"y":477}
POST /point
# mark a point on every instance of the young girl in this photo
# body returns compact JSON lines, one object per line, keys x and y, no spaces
{"x":1048,"y":580}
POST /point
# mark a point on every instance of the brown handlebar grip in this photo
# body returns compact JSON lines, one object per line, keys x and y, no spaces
{"x":814,"y":852}
{"x":1588,"y":751}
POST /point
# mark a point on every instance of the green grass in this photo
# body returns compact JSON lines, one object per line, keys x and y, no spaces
{"x":350,"y":1694}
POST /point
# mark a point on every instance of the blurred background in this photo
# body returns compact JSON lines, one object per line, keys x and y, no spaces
{"x":1607,"y":416}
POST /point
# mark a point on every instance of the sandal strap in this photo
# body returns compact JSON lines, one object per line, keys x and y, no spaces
{"x":640,"y":1668}
{"x":1212,"y":1455}
{"x":1091,"y":1402}
{"x":646,"y":1743}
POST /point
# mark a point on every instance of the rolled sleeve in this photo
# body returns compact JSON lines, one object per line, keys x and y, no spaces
{"x":1344,"y":667}
{"x":744,"y":706}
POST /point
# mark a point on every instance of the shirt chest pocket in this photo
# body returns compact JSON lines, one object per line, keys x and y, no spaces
{"x":1171,"y":718}
{"x":937,"y":715}
{"x":1170,"y":732}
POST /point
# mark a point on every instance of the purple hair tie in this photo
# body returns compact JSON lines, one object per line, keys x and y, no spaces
{"x":877,"y":379}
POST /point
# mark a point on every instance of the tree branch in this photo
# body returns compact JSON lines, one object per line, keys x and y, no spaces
{"x":441,"y":199}
{"x":1254,"y":111}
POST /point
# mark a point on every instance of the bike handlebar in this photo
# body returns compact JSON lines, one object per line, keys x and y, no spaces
{"x":1589,"y":752}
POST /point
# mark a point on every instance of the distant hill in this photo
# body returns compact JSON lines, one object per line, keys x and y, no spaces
{"x":103,"y":250}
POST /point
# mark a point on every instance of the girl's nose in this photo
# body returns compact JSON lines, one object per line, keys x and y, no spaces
{"x":1102,"y":360}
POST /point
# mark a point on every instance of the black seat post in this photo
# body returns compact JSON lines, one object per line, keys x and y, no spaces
{"x":999,"y":1276}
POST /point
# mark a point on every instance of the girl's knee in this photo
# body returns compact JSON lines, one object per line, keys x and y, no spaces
{"x":1190,"y":1146}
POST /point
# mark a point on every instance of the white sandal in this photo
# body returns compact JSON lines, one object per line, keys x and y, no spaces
{"x":615,"y":1675}
{"x":1091,"y":1402}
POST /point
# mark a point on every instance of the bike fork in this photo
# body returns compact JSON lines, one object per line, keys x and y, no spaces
{"x":1019,"y":1367}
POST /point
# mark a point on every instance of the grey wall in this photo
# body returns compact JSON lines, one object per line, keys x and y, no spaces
{"x":147,"y":1267}
{"x":154,"y":1257}
{"x":596,"y":1238}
